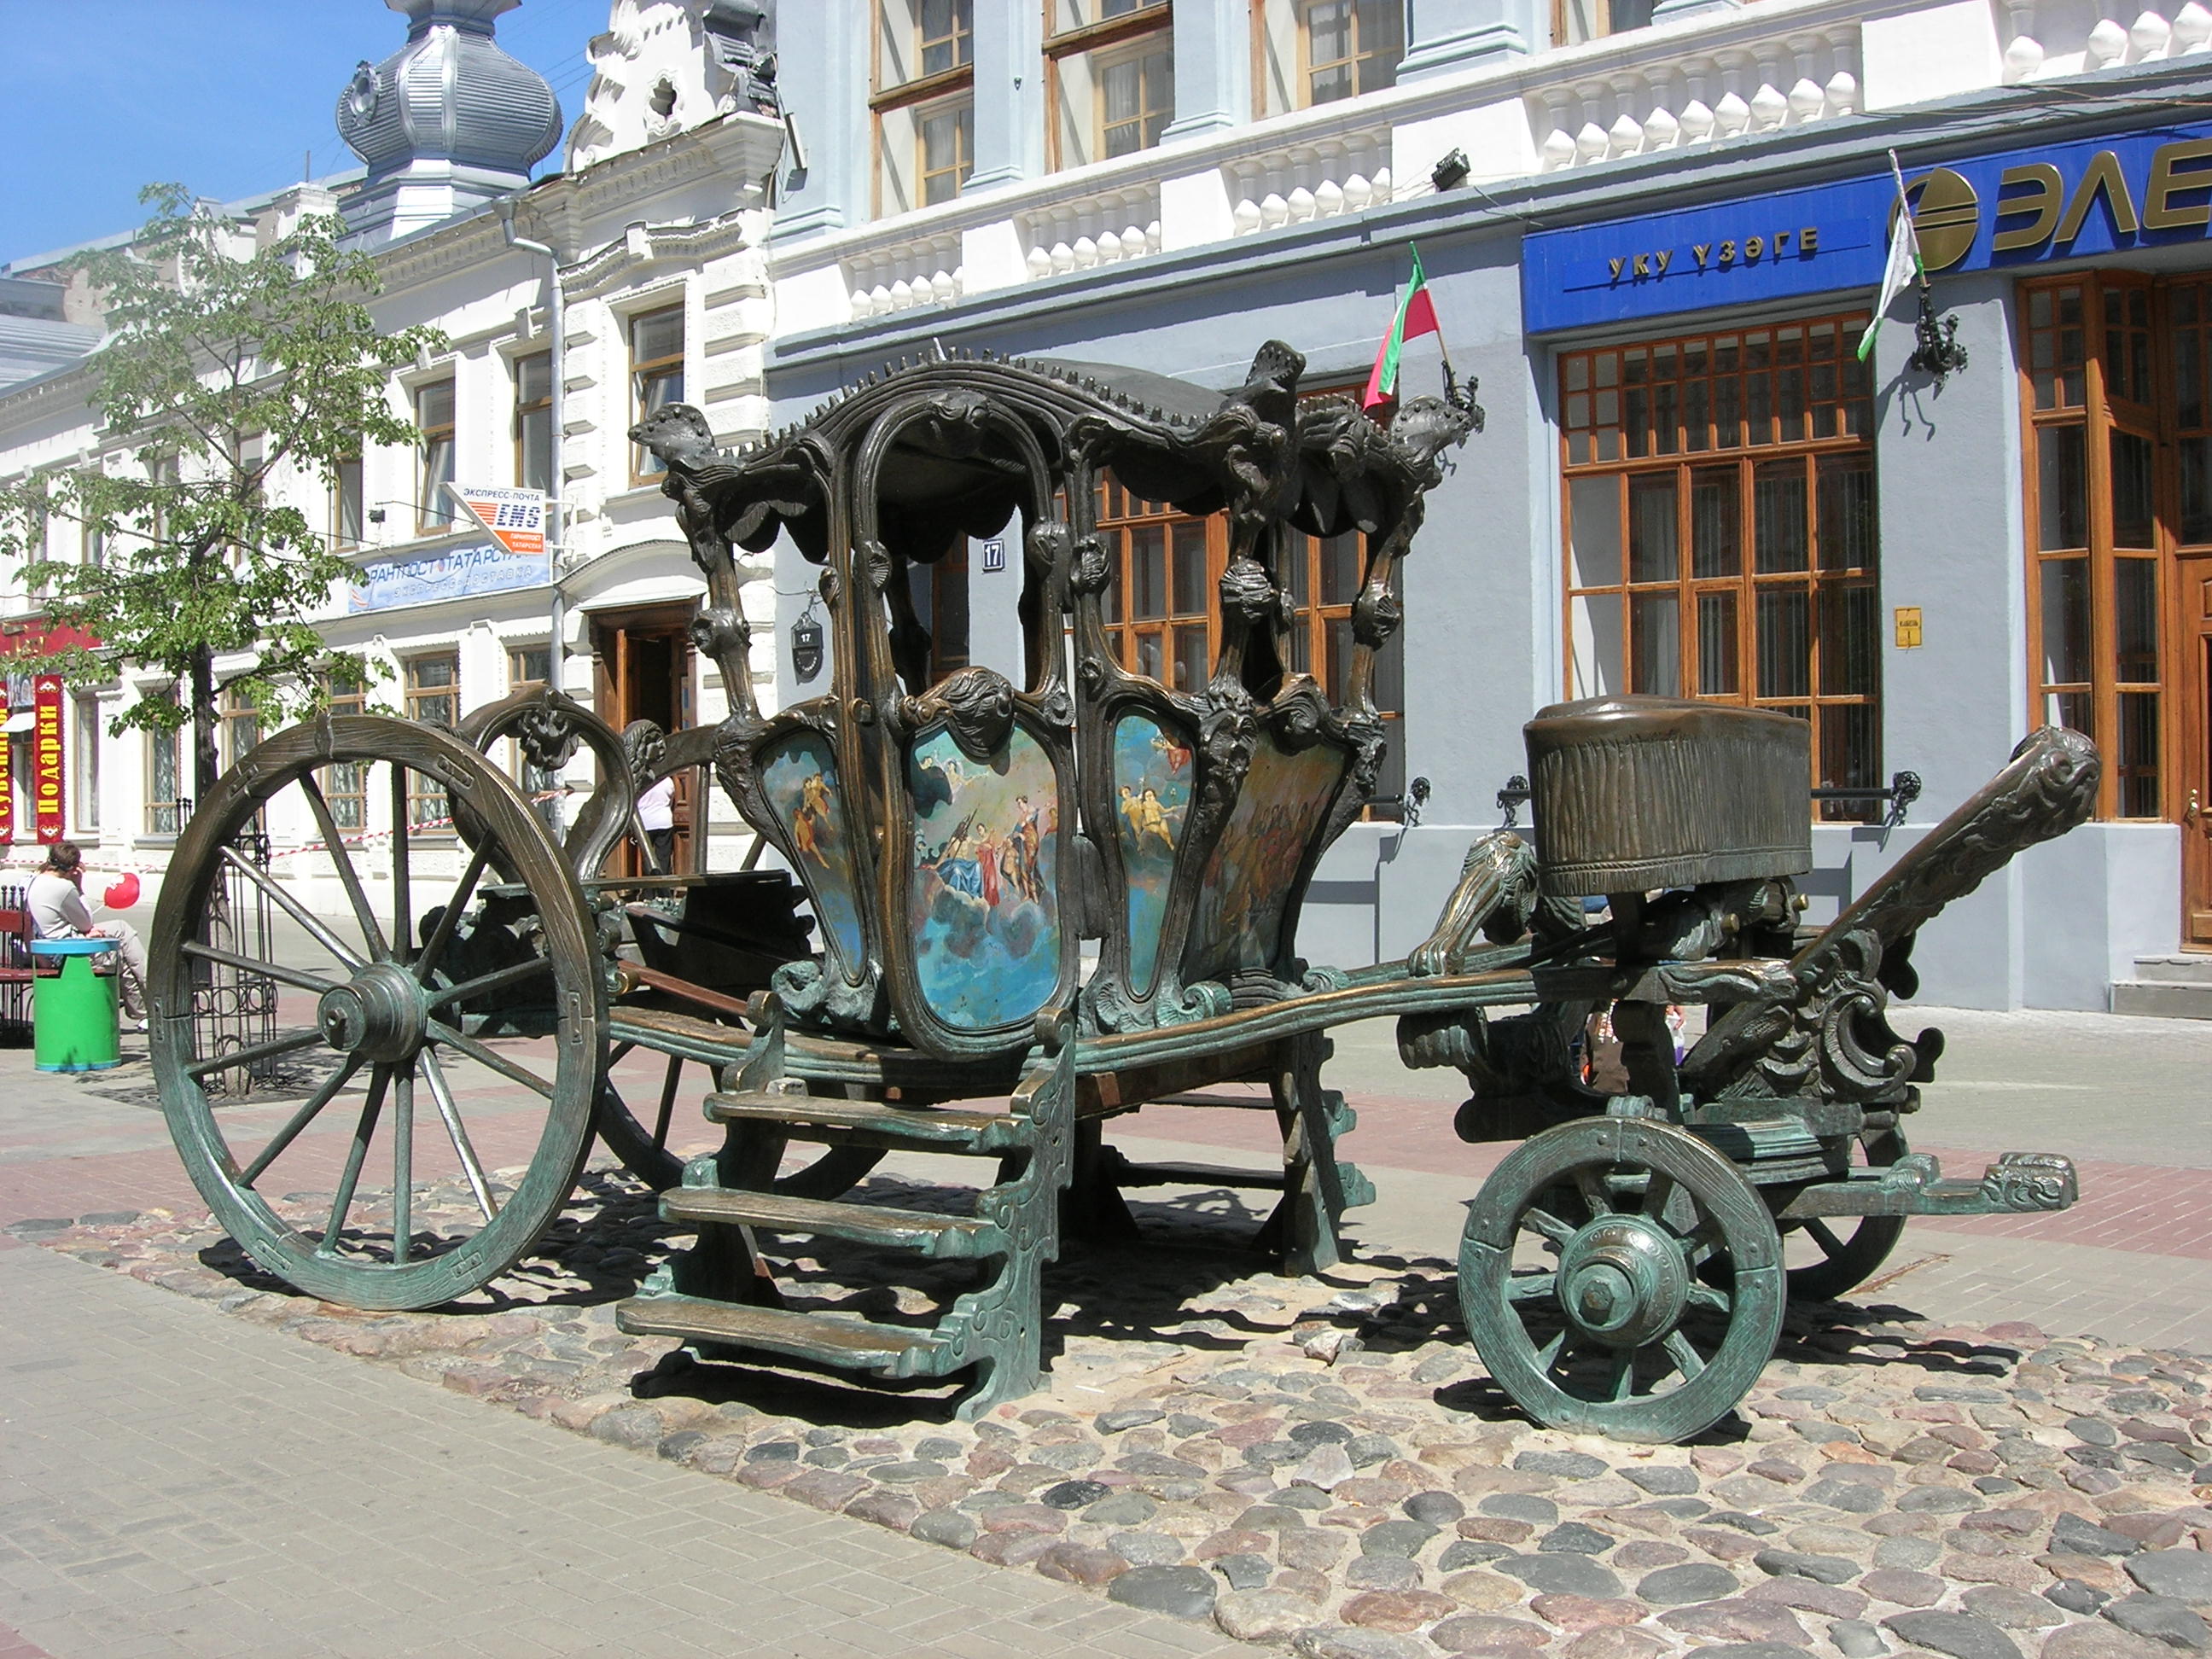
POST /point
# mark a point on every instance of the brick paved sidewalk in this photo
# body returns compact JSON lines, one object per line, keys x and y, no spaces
{"x":175,"y":1483}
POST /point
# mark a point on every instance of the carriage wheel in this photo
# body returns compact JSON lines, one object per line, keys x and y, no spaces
{"x":1603,"y":1322}
{"x":643,"y":1150}
{"x":1839,"y":1255}
{"x":433,"y":1039}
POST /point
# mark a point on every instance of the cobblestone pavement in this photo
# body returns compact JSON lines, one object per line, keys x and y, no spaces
{"x":172,"y":1416}
{"x":1321,"y":1460}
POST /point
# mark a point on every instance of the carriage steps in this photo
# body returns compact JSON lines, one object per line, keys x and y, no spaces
{"x":828,"y":1117}
{"x":720,"y":1298}
{"x":923,"y":1232}
{"x":820,"y":1338}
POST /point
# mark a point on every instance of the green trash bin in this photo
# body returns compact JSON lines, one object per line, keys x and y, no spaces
{"x":73,"y":1012}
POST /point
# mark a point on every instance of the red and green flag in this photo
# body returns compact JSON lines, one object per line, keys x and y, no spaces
{"x":1417,"y":315}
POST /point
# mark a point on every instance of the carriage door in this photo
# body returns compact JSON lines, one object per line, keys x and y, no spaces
{"x":644,"y":673}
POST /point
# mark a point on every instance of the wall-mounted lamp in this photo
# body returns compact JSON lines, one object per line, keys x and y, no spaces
{"x":1451,"y":172}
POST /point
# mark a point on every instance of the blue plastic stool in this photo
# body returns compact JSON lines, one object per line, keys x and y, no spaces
{"x":74,"y":1011}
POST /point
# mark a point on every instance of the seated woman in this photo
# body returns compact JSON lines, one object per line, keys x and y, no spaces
{"x":58,"y":911}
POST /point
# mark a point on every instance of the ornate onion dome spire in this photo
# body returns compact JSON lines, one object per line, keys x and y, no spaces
{"x":446,"y":122}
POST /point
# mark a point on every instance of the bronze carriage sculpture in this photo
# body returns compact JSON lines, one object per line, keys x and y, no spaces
{"x":961,"y":843}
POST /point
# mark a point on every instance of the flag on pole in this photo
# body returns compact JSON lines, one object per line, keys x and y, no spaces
{"x":1417,"y":315}
{"x":1904,"y":265}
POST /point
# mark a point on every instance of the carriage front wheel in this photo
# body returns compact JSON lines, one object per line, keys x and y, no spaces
{"x":1579,"y":1278}
{"x":415,"y":1040}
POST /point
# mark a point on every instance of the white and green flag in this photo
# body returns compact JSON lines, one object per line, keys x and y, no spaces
{"x":1904,"y":265}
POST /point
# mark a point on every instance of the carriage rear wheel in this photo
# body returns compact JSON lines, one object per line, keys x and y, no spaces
{"x":1579,"y":1279}
{"x":433,"y":1039}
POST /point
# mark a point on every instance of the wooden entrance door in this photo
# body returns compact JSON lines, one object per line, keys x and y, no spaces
{"x":644,"y":673}
{"x":2195,"y":587}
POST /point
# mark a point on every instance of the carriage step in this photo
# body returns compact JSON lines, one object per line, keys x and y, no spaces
{"x":825,"y":1339}
{"x":878,"y":1224}
{"x":931,"y":1126}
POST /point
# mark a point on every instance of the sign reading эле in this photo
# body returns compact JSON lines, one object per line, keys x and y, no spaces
{"x":2013,"y":208}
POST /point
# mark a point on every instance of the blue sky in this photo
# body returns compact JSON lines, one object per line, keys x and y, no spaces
{"x":227,"y":97}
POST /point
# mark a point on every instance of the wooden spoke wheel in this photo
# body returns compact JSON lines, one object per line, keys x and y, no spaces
{"x":1830,"y":1258}
{"x":643,"y":1148}
{"x":433,"y":1039}
{"x":1579,"y":1278}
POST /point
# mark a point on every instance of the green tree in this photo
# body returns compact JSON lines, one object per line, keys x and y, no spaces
{"x":222,"y":372}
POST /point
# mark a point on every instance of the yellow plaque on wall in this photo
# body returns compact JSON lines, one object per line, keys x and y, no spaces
{"x":1908,"y":628}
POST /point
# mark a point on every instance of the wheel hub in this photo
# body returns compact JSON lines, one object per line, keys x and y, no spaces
{"x":1623,"y":1281}
{"x":380,"y":1014}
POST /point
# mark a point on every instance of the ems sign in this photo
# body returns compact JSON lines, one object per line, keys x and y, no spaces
{"x":515,"y":518}
{"x":47,"y":757}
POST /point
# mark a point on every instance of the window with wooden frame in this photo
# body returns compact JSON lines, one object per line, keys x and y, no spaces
{"x":433,"y":687}
{"x":2108,"y":445}
{"x":85,"y":778}
{"x":241,"y":728}
{"x":1109,"y":70}
{"x":1574,"y":21}
{"x":433,"y":419}
{"x":165,"y":810}
{"x":1720,"y":536}
{"x":656,"y":378}
{"x":1164,"y":569}
{"x":345,"y":785}
{"x":924,"y":101}
{"x":533,"y":420}
{"x":347,"y":502}
{"x":1315,"y":51}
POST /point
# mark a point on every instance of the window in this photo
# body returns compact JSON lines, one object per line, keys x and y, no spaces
{"x":656,"y":373}
{"x":87,"y":782}
{"x":165,"y":809}
{"x":533,"y":420}
{"x":1574,"y":21}
{"x":1111,"y":77}
{"x":528,"y":667}
{"x":345,"y":786}
{"x":433,"y":690}
{"x":346,"y":503}
{"x":1164,"y":569}
{"x":1315,"y":51}
{"x":1163,"y":566}
{"x":2109,"y":441}
{"x":434,"y":418}
{"x":1721,"y":531}
{"x":924,"y":101}
{"x":239,"y":729}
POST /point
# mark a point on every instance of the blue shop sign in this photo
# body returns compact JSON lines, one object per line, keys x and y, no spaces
{"x":2015,"y":208}
{"x":458,"y":572}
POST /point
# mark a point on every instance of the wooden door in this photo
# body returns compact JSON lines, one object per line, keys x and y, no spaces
{"x":645,"y":673}
{"x":2194,"y":572}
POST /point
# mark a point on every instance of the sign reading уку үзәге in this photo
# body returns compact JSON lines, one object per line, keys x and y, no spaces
{"x":2011,"y":209}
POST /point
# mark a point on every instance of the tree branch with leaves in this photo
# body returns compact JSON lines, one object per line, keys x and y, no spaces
{"x":224,"y":372}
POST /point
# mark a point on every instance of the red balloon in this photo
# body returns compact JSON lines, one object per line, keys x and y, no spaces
{"x":122,"y":894}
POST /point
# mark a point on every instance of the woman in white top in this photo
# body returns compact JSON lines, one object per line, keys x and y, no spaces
{"x":56,"y":900}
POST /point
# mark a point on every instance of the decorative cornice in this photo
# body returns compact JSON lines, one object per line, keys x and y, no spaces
{"x":643,"y":247}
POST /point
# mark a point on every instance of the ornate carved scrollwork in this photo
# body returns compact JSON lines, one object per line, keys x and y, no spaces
{"x":1828,"y":1036}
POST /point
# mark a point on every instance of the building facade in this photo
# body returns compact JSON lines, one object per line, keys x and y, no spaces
{"x":1655,"y":239}
{"x":1653,"y":235}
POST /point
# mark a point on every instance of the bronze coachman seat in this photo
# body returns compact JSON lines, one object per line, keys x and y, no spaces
{"x":961,"y":841}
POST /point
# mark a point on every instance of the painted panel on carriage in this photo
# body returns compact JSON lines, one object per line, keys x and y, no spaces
{"x":1152,"y":789}
{"x":986,"y":918}
{"x":1238,"y":919}
{"x":798,"y":774}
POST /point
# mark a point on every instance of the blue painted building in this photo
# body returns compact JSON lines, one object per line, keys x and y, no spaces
{"x":1655,"y":238}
